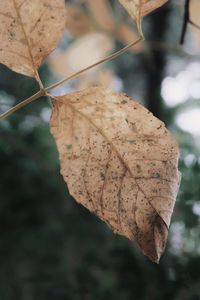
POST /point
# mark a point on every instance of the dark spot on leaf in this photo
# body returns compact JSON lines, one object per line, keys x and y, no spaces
{"x":69,"y":146}
{"x":156,"y":175}
{"x":102,"y":176}
{"x":124,"y":102}
{"x":131,"y":142}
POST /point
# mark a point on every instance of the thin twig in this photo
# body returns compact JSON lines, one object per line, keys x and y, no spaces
{"x":108,"y":58}
{"x":185,"y":21}
{"x":22,"y":104}
{"x":194,"y":24}
{"x":44,"y":91}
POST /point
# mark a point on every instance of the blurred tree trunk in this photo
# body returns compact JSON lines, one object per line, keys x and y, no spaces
{"x":155,"y":67}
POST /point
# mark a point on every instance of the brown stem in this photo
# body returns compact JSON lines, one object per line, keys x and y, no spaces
{"x":108,"y":58}
{"x":44,"y":91}
{"x":22,"y":104}
{"x":194,"y":24}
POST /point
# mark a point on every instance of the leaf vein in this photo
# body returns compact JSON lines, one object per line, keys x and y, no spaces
{"x":37,"y":21}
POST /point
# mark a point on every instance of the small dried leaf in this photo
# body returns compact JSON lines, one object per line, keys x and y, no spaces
{"x":121,"y":165}
{"x":140,"y":8}
{"x":29,"y":32}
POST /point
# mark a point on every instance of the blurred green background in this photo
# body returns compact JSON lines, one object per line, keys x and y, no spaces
{"x":51,"y":247}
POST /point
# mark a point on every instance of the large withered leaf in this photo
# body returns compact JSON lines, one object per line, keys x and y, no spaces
{"x":140,"y":8}
{"x":29,"y":31}
{"x":120,"y":162}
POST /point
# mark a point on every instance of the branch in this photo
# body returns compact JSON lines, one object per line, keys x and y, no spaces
{"x":44,"y":91}
{"x":108,"y":58}
{"x":22,"y":104}
{"x":194,"y":24}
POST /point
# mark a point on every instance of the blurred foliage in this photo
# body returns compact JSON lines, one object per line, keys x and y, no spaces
{"x":51,"y":247}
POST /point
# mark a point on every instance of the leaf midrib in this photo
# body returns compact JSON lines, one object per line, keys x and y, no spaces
{"x":26,"y":39}
{"x":112,"y":147}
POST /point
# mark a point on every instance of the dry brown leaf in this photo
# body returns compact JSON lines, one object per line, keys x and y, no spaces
{"x":120,"y":162}
{"x":140,"y":8}
{"x":29,"y":32}
{"x":78,"y":23}
{"x":85,"y":51}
